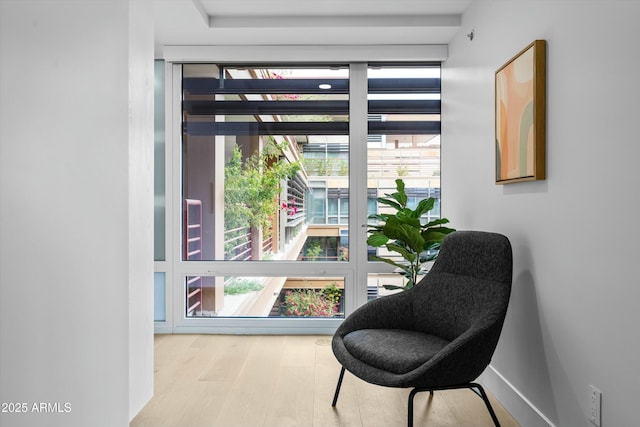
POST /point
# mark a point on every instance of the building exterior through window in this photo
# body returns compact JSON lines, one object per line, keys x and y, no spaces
{"x":266,"y":183}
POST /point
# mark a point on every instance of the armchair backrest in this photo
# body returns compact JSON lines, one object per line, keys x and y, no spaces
{"x":476,"y":254}
{"x":468,"y":286}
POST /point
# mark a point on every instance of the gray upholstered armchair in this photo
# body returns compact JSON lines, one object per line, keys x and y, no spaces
{"x":442,"y":333}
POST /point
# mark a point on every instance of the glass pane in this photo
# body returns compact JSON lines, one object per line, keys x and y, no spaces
{"x":382,"y":284}
{"x":404,"y":137}
{"x":333,"y":207}
{"x":159,"y":297}
{"x":216,"y":296}
{"x":159,"y":163}
{"x":253,"y":137}
{"x":316,"y":202}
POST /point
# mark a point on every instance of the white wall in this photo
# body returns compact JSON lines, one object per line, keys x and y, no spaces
{"x":573,"y":318}
{"x":141,"y":201}
{"x":72,"y":165}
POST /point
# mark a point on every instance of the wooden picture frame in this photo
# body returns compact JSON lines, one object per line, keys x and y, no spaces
{"x":520,"y":110}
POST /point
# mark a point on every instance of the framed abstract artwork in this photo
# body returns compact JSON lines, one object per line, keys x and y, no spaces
{"x":520,"y":98}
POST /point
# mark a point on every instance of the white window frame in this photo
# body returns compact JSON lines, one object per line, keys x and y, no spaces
{"x":355,"y":270}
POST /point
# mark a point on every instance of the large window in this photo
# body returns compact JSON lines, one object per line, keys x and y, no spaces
{"x":245,"y":179}
{"x":277,"y":169}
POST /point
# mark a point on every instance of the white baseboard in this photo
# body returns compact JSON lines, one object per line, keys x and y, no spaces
{"x":520,"y":408}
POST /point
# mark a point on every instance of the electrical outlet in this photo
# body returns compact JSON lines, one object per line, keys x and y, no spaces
{"x":595,"y":404}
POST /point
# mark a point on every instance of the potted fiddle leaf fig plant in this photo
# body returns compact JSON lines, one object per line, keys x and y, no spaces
{"x":405,"y":233}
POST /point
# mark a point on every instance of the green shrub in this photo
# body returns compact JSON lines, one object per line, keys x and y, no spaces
{"x":309,"y":303}
{"x":238,"y":286}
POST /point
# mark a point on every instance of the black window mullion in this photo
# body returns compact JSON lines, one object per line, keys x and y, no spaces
{"x":208,"y":85}
{"x":208,"y":107}
{"x":404,"y":85}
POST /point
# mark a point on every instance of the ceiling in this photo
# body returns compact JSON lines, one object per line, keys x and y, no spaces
{"x":306,"y":22}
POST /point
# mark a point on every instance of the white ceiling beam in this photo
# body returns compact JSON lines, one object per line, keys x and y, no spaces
{"x":301,"y":53}
{"x":333,"y":21}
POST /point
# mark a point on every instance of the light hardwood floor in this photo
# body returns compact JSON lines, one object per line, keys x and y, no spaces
{"x":280,"y":381}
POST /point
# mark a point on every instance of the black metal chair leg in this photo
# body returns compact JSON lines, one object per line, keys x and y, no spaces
{"x":485,"y":398}
{"x":335,"y":396}
{"x":410,"y":405}
{"x":476,"y":388}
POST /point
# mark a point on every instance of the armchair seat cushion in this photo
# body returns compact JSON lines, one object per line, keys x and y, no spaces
{"x":393,"y":350}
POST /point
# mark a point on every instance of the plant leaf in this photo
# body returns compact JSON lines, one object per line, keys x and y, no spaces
{"x":437,"y":222}
{"x":389,"y":202}
{"x":409,"y":256}
{"x":424,"y":206}
{"x":402,"y":267}
{"x":431,"y":252}
{"x":377,"y":239}
{"x":401,"y":194}
{"x":436,"y":234}
{"x":408,"y":234}
{"x":393,"y":287}
{"x":406,"y":216}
